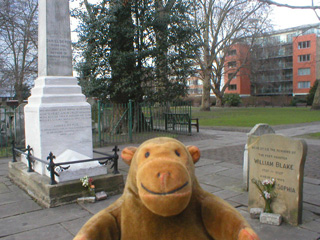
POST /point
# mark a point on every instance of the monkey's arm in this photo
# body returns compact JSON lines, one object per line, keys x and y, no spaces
{"x":223,"y":222}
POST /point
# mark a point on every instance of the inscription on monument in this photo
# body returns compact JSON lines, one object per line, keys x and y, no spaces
{"x":58,"y":49}
{"x":63,"y":121}
{"x":282,"y":159}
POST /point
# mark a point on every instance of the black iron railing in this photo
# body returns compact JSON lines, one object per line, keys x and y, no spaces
{"x":52,"y":167}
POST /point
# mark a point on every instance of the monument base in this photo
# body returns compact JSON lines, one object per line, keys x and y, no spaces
{"x":39,"y":188}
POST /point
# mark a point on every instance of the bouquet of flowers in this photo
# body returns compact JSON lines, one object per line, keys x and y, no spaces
{"x":88,"y":183}
{"x":266,"y":189}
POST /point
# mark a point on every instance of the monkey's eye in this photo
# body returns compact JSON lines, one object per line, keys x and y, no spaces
{"x":177,"y":153}
{"x":147,"y":154}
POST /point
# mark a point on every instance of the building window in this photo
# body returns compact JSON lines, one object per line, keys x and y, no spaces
{"x":303,"y":71}
{"x":305,"y":44}
{"x":305,"y":84}
{"x":232,"y":52}
{"x":232,"y":64}
{"x":304,"y":58}
{"x":232,"y":76}
{"x":232,"y":87}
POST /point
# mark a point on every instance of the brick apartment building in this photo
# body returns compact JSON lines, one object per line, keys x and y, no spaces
{"x":285,"y":62}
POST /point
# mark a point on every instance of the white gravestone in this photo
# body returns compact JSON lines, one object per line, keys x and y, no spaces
{"x":57,"y":116}
{"x":257,"y":130}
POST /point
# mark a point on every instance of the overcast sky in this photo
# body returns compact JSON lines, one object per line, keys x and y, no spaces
{"x":283,"y":17}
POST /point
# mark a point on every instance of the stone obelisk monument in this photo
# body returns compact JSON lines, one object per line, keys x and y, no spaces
{"x":57,"y":116}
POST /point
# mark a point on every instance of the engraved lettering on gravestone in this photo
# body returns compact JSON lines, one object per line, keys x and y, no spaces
{"x":280,"y":158}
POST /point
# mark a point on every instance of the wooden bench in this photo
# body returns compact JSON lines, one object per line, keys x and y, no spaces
{"x":173,"y":119}
{"x":195,"y":122}
{"x":301,"y":104}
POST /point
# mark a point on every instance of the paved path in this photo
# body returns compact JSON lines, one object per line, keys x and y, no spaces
{"x":219,"y":171}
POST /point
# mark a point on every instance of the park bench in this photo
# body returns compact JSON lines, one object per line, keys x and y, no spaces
{"x":301,"y":104}
{"x":181,"y":119}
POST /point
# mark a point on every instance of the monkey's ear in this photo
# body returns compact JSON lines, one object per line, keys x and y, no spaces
{"x":195,"y":153}
{"x":127,"y":154}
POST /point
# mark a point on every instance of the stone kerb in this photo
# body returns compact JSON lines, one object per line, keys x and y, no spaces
{"x":282,"y":159}
{"x":258,"y":130}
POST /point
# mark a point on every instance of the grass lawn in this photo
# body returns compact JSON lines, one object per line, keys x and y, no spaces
{"x":248,"y":117}
{"x":311,"y":135}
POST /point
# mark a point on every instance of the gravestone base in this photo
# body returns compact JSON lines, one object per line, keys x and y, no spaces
{"x":39,"y":188}
{"x":271,"y":219}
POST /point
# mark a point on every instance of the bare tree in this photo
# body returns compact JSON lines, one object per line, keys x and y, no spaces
{"x":18,"y":48}
{"x":221,"y":25}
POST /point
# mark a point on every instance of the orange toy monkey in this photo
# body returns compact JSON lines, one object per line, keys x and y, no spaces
{"x":163,"y":200}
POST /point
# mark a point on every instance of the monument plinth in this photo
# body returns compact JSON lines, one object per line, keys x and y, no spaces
{"x":57,"y":117}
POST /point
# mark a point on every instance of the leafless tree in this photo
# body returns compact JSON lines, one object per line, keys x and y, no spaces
{"x":18,"y":44}
{"x":222,"y":24}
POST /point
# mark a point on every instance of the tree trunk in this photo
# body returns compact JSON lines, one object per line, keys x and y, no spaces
{"x":218,"y":101}
{"x":206,"y":87}
{"x":316,"y":100}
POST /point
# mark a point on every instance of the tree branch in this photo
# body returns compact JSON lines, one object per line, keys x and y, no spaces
{"x":271,"y":2}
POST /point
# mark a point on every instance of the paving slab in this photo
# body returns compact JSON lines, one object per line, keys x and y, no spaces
{"x":75,"y":225}
{"x":313,"y":181}
{"x":284,"y":231}
{"x":209,"y":169}
{"x":313,"y":226}
{"x":225,"y":194}
{"x":56,"y":232}
{"x":312,"y":199}
{"x":206,"y":162}
{"x":210,"y":188}
{"x":311,"y":189}
{"x":16,"y":208}
{"x":234,"y":204}
{"x":312,"y":208}
{"x":234,"y":173}
{"x":33,"y":220}
{"x":308,"y":216}
{"x":241,"y":198}
{"x":221,"y":181}
{"x":230,"y":165}
{"x":218,"y":174}
{"x":4,"y":188}
{"x":98,"y":206}
{"x":12,"y":197}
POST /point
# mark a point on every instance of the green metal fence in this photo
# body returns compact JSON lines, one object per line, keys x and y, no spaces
{"x":6,"y":130}
{"x":135,"y":122}
{"x":111,"y":123}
